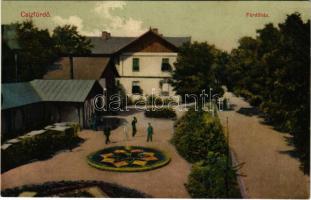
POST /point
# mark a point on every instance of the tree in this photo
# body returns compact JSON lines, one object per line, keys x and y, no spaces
{"x":35,"y":53}
{"x":272,"y":71}
{"x":38,"y":50}
{"x":193,"y":69}
{"x":292,"y":89}
{"x":68,"y":41}
{"x":7,"y":63}
{"x":221,"y":64}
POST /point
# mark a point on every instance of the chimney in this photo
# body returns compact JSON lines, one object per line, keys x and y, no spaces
{"x":155,"y":30}
{"x":106,"y":35}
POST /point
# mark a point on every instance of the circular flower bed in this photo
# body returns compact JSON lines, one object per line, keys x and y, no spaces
{"x":128,"y":159}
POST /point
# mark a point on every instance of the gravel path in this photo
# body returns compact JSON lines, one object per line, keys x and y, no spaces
{"x":167,"y":181}
{"x":270,"y":170}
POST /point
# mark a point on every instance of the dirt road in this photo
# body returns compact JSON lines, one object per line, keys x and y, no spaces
{"x":271,"y":171}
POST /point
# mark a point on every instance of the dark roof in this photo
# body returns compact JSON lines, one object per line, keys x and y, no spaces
{"x":63,"y":90}
{"x":21,"y":94}
{"x":113,"y":44}
{"x":109,"y":46}
{"x":84,"y":68}
{"x":18,"y":94}
{"x":178,"y":41}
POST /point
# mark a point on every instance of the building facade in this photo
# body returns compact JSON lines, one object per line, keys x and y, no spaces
{"x":144,"y":64}
{"x":146,"y":73}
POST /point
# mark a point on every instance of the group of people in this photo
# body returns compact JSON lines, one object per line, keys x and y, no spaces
{"x":107,"y":131}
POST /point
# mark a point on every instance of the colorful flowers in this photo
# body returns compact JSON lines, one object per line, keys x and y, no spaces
{"x":127,"y":156}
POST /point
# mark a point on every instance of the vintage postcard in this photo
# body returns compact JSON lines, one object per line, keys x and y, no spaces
{"x":155,"y":99}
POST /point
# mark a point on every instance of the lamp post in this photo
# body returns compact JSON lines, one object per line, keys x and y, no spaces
{"x":210,"y":98}
{"x":227,"y":160}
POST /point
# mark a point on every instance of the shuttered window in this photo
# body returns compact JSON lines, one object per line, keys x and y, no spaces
{"x":166,"y":65}
{"x":135,"y":64}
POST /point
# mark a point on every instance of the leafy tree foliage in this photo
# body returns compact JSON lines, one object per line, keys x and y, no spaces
{"x":67,"y":40}
{"x":7,"y":63}
{"x":34,"y":54}
{"x":221,"y":61}
{"x":38,"y":50}
{"x":272,"y":71}
{"x":194,"y":69}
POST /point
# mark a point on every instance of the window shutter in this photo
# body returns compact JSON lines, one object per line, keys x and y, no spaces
{"x":135,"y":64}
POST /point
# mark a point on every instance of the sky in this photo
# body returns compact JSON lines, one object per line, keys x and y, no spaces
{"x":221,"y":23}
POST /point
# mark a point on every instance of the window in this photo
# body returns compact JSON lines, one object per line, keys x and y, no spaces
{"x":136,"y":88}
{"x":136,"y":64}
{"x":164,"y":87}
{"x":166,"y":65}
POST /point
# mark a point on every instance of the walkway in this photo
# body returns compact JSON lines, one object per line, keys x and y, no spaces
{"x":270,"y":170}
{"x":167,"y":181}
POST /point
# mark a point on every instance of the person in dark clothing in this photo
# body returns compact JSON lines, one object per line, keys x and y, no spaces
{"x":134,"y":121}
{"x":149,"y":132}
{"x":107,"y":134}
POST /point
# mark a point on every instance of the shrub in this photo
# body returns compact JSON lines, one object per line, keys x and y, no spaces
{"x":140,"y":101}
{"x":208,"y":179}
{"x":170,"y":101}
{"x":244,"y":93}
{"x":255,"y":100}
{"x":161,"y":113}
{"x":196,"y":134}
{"x":39,"y":144}
{"x":199,"y":138}
{"x":154,"y":100}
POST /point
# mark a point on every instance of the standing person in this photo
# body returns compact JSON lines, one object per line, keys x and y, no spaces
{"x":134,"y":121}
{"x":107,"y":134}
{"x":149,"y":132}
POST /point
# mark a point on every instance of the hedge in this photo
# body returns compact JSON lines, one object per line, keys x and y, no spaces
{"x":38,"y":144}
{"x":66,"y":188}
{"x":153,"y":100}
{"x":162,"y":112}
{"x":199,"y":138}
